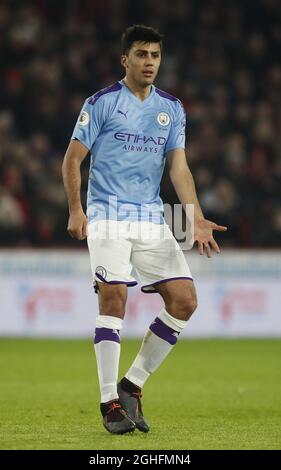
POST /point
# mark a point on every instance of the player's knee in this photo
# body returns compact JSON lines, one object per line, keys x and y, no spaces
{"x":112,"y":301}
{"x":183,"y":307}
{"x":191,"y":306}
{"x":114,"y":306}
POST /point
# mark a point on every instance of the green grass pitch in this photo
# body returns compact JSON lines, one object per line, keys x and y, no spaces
{"x":209,"y":394}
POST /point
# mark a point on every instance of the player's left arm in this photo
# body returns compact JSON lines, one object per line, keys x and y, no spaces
{"x":183,"y":183}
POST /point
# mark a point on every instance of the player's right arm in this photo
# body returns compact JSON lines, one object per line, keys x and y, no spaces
{"x":77,"y":222}
{"x":86,"y":130}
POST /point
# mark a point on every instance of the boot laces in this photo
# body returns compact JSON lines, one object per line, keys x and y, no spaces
{"x":114,"y":406}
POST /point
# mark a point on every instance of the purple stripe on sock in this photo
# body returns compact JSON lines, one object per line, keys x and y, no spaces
{"x":106,"y":334}
{"x":162,"y":330}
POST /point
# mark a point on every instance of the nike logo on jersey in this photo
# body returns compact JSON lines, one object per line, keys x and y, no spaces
{"x":121,"y":112}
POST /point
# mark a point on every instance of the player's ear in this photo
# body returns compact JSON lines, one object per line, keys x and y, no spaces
{"x":124,"y":60}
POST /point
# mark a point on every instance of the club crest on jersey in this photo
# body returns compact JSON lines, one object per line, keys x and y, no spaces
{"x":163,"y":119}
{"x":84,"y":118}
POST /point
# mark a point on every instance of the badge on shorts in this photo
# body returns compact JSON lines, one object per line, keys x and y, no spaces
{"x":163,"y":119}
{"x":101,"y":271}
{"x":84,"y":118}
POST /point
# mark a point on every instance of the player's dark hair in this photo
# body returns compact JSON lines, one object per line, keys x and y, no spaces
{"x":139,"y":32}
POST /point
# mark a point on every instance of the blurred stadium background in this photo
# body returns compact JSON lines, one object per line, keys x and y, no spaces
{"x":222,"y":59}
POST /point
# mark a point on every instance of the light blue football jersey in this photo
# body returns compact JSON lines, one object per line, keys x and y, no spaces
{"x":128,"y":139}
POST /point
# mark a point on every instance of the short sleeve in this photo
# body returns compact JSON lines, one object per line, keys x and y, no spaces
{"x":89,"y":122}
{"x":176,"y":139}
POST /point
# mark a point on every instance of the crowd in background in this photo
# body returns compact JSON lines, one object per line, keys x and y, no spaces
{"x":222,"y":59}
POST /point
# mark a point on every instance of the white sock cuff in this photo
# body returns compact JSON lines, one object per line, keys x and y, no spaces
{"x":106,"y":321}
{"x":172,"y":322}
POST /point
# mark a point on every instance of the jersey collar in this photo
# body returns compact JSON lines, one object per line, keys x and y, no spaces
{"x":134,"y":97}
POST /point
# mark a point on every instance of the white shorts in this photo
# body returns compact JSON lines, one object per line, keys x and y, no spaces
{"x":117,"y":246}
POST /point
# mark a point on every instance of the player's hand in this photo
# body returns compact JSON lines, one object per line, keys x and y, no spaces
{"x":203,"y":234}
{"x":77,"y":225}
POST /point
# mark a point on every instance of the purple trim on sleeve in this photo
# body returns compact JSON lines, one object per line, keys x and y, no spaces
{"x":164,"y":332}
{"x":104,"y":91}
{"x":160,"y":282}
{"x":106,"y":334}
{"x":129,"y":283}
{"x":166,"y":95}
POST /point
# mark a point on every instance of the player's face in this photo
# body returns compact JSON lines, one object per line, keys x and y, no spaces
{"x":142,"y":62}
